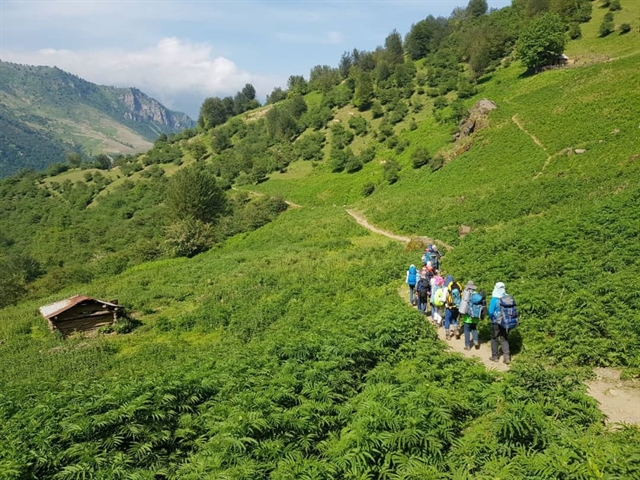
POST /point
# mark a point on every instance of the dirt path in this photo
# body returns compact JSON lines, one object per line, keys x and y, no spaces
{"x":260,"y":194}
{"x":619,"y":399}
{"x":537,"y":141}
{"x":359,"y":217}
{"x":533,"y":137}
{"x":457,"y":345}
{"x":363,"y":221}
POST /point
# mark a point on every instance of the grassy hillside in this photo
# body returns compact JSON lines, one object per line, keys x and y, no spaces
{"x":46,"y":111}
{"x":285,"y":351}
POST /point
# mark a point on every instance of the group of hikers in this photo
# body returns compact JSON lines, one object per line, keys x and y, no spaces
{"x":449,"y":304}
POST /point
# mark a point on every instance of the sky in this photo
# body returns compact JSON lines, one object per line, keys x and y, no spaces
{"x":182,"y":51}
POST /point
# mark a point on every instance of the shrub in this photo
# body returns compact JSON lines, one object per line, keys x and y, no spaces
{"x":368,"y":154}
{"x":368,"y":188}
{"x":574,"y":31}
{"x":340,"y":136}
{"x":353,"y":164}
{"x":337,"y":159}
{"x":615,"y":5}
{"x":391,"y":170}
{"x":359,"y":125}
{"x":437,"y":162}
{"x":625,"y":28}
{"x":420,"y":157}
{"x":188,"y":237}
{"x":606,"y":28}
{"x":608,"y":17}
{"x":376,"y":110}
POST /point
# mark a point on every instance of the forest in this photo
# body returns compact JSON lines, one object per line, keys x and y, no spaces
{"x":267,"y":337}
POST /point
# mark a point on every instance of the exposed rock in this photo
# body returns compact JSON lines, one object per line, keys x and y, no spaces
{"x":464,"y":230}
{"x":580,"y":150}
{"x":142,"y":107}
{"x":476,"y":120}
{"x":615,"y":131}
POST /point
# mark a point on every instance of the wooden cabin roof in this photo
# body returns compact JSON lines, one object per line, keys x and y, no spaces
{"x":51,"y":310}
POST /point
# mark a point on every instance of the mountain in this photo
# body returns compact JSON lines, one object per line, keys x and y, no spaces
{"x":45,"y":112}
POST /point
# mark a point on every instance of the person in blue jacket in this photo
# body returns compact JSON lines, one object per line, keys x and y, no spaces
{"x":498,"y":332}
{"x":412,"y":279}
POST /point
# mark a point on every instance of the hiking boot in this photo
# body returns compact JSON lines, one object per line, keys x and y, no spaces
{"x":494,"y":359}
{"x":477,"y":345}
{"x":457,"y":334}
{"x":467,"y":348}
{"x":507,"y":360}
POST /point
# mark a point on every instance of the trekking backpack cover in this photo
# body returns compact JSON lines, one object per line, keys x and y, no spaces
{"x":440,"y":297}
{"x":476,"y":306}
{"x":508,"y":313}
{"x":454,"y":299}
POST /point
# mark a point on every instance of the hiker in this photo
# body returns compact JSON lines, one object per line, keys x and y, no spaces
{"x":504,"y":317}
{"x":438,"y":299}
{"x":412,"y":279}
{"x":423,"y":289}
{"x":471,"y":311}
{"x":454,"y":297}
{"x":433,"y":256}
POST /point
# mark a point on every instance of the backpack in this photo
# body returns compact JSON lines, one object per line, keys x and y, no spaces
{"x":423,"y":288}
{"x":411,"y":280}
{"x":440,"y":297}
{"x":475,"y":309}
{"x":508,"y":317}
{"x":464,"y":303}
{"x":434,"y":258}
{"x":455,"y":297}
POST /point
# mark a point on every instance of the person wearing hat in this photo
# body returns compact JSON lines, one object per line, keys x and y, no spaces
{"x":412,"y":279}
{"x":470,"y":324}
{"x":498,"y":332}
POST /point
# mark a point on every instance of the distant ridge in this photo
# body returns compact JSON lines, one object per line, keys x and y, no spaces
{"x":46,"y":112}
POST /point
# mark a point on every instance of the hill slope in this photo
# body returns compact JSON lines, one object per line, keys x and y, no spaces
{"x":45,"y":111}
{"x":285,"y":352}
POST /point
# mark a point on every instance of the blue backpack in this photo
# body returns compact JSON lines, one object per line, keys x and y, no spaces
{"x":476,"y":306}
{"x":508,"y":318}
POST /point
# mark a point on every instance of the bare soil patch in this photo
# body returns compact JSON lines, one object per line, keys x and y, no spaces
{"x":619,"y":399}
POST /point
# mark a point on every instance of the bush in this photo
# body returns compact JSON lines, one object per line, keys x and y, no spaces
{"x":368,"y":188}
{"x":340,"y":136}
{"x":353,"y":164}
{"x":391,"y":170}
{"x":188,"y":237}
{"x":608,"y":17}
{"x":368,"y":154}
{"x":376,"y":110}
{"x":614,"y":5}
{"x":420,"y":157}
{"x":574,"y":31}
{"x":359,"y":125}
{"x":606,"y":28}
{"x":625,"y":28}
{"x":437,"y":163}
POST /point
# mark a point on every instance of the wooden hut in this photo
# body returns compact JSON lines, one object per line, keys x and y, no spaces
{"x":80,"y":313}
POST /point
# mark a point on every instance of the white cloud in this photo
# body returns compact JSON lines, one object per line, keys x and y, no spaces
{"x":328,"y":38}
{"x":171,"y":67}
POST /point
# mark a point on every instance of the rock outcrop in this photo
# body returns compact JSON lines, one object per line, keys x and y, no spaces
{"x":140,"y":107}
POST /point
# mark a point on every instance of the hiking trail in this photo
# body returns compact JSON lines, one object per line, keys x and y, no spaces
{"x":457,"y":345}
{"x":260,"y":194}
{"x":537,"y":141}
{"x":359,"y":217}
{"x":619,"y":399}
